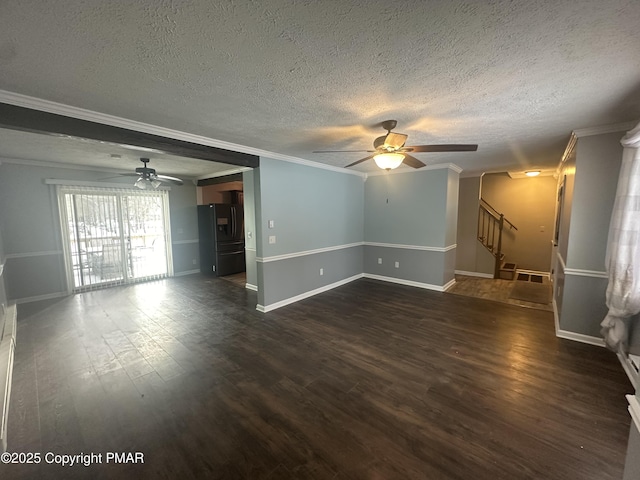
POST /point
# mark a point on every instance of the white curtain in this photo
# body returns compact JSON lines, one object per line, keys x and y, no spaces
{"x":623,"y":249}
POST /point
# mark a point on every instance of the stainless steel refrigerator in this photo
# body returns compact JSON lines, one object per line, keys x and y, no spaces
{"x":221,"y":231}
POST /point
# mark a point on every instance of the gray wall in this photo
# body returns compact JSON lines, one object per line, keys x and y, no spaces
{"x":407,"y":208}
{"x":312,"y":209}
{"x":597,"y":168}
{"x":30,"y":226}
{"x":411,"y":218}
{"x":580,"y":285}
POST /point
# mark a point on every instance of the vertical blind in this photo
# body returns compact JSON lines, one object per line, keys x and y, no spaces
{"x":114,"y":236}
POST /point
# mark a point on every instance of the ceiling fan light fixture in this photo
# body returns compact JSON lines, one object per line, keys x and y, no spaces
{"x":147,"y":184}
{"x":388,"y":161}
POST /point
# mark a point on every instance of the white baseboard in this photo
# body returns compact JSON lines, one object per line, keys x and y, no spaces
{"x":579,"y":337}
{"x":473,"y":274}
{"x":556,"y":315}
{"x":410,"y":283}
{"x":302,"y":296}
{"x":37,"y":298}
{"x":187,"y":272}
{"x":250,"y":286}
{"x":448,"y":285}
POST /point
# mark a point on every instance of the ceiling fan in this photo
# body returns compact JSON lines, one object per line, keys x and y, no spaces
{"x":148,"y":179}
{"x":390,"y":150}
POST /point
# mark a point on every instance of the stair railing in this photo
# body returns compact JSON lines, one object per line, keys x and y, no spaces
{"x":491,"y":224}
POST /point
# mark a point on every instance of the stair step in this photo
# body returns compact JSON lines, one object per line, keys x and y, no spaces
{"x":508,"y":271}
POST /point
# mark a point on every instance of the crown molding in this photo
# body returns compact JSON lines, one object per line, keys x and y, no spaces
{"x":48,"y":106}
{"x":308,"y":163}
{"x":616,"y":127}
{"x":587,"y":132}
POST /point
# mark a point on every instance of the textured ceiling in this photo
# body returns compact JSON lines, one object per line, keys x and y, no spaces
{"x":292,"y":76}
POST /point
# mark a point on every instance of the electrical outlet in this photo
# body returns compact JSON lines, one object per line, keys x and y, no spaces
{"x":321,"y":271}
{"x":379,"y":261}
{"x":397,"y":264}
{"x":194,"y":261}
{"x":272,"y":239}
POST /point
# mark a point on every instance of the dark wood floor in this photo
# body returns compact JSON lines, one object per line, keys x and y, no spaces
{"x":368,"y":381}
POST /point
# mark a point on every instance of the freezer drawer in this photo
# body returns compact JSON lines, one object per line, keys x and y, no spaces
{"x":230,"y":262}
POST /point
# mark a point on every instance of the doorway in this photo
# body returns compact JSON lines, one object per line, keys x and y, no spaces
{"x":113,"y":236}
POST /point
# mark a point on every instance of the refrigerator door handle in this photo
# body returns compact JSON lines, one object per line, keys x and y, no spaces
{"x":233,"y":221}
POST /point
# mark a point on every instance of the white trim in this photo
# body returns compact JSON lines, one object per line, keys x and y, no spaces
{"x":2,"y":268}
{"x":302,"y":296}
{"x":586,"y":132}
{"x":184,"y":242}
{"x":412,"y":247}
{"x":83,"y":183}
{"x":556,"y":315}
{"x":534,"y":272}
{"x":579,"y":337}
{"x":250,"y":286}
{"x":37,"y":298}
{"x":248,"y":249}
{"x":299,"y":161}
{"x":450,"y":166}
{"x":286,"y":256}
{"x":34,"y":254}
{"x":449,"y":284}
{"x":186,"y":272}
{"x":561,"y":260}
{"x":630,"y":370}
{"x":585,"y":273}
{"x":473,"y":274}
{"x":634,"y":409}
{"x":580,"y":272}
{"x":410,"y":283}
{"x":616,"y":127}
{"x":103,"y":118}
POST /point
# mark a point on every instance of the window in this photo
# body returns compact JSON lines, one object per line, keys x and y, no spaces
{"x":113,"y":236}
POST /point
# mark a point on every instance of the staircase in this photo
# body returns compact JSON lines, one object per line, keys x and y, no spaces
{"x":491,"y":225}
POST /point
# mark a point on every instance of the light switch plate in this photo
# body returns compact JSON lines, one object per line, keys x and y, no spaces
{"x":272,"y":223}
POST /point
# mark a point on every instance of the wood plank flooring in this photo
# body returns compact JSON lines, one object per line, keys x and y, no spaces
{"x":367,"y":381}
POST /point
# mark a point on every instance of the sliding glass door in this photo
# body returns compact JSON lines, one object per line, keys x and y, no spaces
{"x":114,"y":236}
